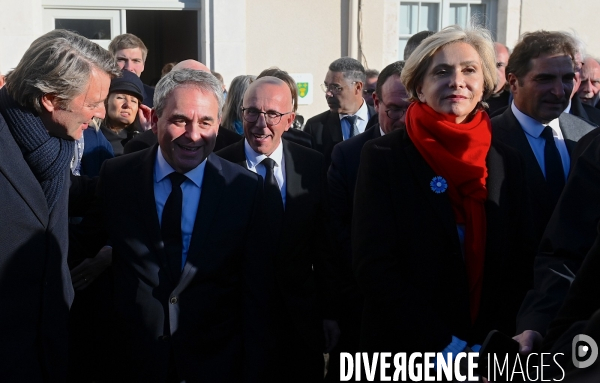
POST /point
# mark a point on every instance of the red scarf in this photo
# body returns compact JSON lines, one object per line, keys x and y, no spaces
{"x":457,"y":152}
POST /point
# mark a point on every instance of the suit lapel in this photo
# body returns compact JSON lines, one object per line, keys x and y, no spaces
{"x":213,"y":186}
{"x":518,"y":140}
{"x":17,"y":172}
{"x":335,"y":127}
{"x":293,"y":184}
{"x":440,"y":203}
{"x":573,"y":129}
{"x":147,"y":205}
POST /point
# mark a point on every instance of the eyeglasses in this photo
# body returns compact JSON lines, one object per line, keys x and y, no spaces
{"x":395,"y":113}
{"x":368,"y":91}
{"x":271,"y":117}
{"x":334,"y":89}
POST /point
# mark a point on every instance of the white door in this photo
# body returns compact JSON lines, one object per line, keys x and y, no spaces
{"x":100,"y":26}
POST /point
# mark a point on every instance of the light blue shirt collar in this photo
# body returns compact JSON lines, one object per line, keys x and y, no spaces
{"x":162,"y":169}
{"x":530,"y":125}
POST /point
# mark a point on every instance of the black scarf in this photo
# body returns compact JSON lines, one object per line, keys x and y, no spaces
{"x":48,"y":157}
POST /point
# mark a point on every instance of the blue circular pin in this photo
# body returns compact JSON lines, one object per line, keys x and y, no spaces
{"x":438,"y":184}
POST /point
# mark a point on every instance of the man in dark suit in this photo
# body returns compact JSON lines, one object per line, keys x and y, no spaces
{"x":541,"y":76}
{"x":41,"y":114}
{"x":390,"y":103}
{"x":190,"y":281}
{"x":225,"y":137}
{"x":348,"y":112}
{"x":294,"y":195}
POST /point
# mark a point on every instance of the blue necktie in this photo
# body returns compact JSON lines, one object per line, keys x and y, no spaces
{"x":555,"y":175}
{"x":353,"y":128}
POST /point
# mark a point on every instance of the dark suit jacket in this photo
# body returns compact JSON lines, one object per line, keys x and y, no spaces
{"x":212,"y":321}
{"x":298,"y":136}
{"x":326,"y":131}
{"x":506,"y":128}
{"x":587,"y":112}
{"x":147,"y":139}
{"x":300,"y":257}
{"x":35,"y":284}
{"x":341,"y":181}
{"x":569,"y":235}
{"x":148,"y":95}
{"x":407,"y":256}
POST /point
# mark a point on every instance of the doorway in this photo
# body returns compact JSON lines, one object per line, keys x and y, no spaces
{"x":169,"y":36}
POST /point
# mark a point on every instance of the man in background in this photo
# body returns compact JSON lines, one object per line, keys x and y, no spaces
{"x":131,"y":53}
{"x":369,"y":89}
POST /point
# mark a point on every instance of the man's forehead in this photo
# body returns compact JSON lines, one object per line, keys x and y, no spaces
{"x":129,"y":52}
{"x":552,"y":61}
{"x":268,"y":92}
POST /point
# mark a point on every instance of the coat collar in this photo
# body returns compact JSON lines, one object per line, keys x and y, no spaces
{"x":12,"y":166}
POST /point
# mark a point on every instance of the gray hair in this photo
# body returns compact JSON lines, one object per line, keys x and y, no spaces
{"x":59,"y":62}
{"x":352,"y":69}
{"x":235,"y":97}
{"x":200,"y":79}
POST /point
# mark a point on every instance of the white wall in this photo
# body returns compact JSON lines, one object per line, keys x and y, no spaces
{"x":561,"y":15}
{"x":21,"y":23}
{"x":298,"y":37}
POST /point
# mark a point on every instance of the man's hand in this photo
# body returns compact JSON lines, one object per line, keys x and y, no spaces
{"x":145,"y":114}
{"x":87,"y":271}
{"x":332,"y":334}
{"x":529,"y":341}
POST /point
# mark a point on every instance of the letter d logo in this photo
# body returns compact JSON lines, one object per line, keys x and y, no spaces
{"x":582,"y":348}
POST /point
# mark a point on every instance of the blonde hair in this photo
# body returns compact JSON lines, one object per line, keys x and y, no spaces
{"x":418,"y":63}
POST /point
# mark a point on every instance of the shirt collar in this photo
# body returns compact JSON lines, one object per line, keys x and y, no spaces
{"x":362,"y":112}
{"x":162,"y":169}
{"x":254,"y":158}
{"x":568,"y":110}
{"x":531,"y":126}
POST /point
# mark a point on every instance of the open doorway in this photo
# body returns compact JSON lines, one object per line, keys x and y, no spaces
{"x":169,"y":35}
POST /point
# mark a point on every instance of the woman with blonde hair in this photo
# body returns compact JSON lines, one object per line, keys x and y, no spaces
{"x":441,"y":240}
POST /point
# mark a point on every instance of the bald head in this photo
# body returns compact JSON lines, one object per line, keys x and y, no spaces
{"x":269,"y":86}
{"x":268,"y":112}
{"x":589,"y":90}
{"x":501,"y":62}
{"x":191,"y":64}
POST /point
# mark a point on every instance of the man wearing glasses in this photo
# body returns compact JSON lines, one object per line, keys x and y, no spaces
{"x":370,"y":84}
{"x":348,"y":113}
{"x":295,"y":232}
{"x":390,"y":102}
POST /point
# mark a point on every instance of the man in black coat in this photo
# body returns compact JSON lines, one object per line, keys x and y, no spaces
{"x":541,"y":75}
{"x":390,"y":103}
{"x":295,"y":232}
{"x":191,"y":283}
{"x":41,"y":114}
{"x":348,"y":112}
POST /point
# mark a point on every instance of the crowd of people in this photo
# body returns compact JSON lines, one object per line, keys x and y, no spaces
{"x":191,"y":233}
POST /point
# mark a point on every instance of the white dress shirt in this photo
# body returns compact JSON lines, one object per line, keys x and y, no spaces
{"x":533,"y":130}
{"x":253,"y":161}
{"x":361,"y":121}
{"x":191,"y":189}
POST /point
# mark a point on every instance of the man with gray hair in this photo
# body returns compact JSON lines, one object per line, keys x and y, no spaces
{"x":190,"y":279}
{"x":348,"y":113}
{"x":59,"y":85}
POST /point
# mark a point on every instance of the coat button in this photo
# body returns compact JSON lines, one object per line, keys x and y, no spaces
{"x":163,"y":338}
{"x":173,"y":300}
